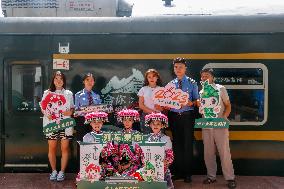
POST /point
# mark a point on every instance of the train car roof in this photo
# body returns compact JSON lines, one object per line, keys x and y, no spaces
{"x":152,"y":24}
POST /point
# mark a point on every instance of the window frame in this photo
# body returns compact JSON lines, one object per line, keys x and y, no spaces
{"x":264,"y":86}
{"x":34,"y":63}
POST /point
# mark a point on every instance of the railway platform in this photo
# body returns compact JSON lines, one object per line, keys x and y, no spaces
{"x":40,"y":181}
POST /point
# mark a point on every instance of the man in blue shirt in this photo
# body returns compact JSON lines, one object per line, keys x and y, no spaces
{"x":83,"y":98}
{"x":181,"y":122}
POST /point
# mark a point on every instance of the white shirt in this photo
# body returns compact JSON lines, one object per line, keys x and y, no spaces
{"x":148,"y":94}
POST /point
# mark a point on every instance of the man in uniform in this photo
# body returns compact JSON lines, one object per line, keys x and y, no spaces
{"x":181,"y":122}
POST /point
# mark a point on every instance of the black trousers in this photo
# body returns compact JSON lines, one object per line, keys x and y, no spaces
{"x":81,"y":128}
{"x":182,"y":127}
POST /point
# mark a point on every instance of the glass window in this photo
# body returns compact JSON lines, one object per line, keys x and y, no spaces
{"x":247,"y":105}
{"x":26,"y":87}
{"x":239,"y":76}
{"x":247,"y":86}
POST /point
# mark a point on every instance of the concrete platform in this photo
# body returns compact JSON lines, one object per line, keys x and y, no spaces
{"x":40,"y":181}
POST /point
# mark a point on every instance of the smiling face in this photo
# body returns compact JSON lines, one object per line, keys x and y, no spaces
{"x":97,"y":125}
{"x":128,"y":122}
{"x":206,"y":76}
{"x":58,"y":82}
{"x":179,"y":69}
{"x":89,"y":83}
{"x":152,"y":79}
{"x":156,"y":126}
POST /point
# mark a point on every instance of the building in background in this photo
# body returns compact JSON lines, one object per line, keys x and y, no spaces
{"x":138,"y":8}
{"x":66,"y":8}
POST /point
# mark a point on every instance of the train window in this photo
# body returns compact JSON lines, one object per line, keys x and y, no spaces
{"x":239,"y":76}
{"x":26,"y":87}
{"x":247,"y":85}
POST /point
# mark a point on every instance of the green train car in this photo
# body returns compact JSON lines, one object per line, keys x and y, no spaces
{"x":246,"y":52}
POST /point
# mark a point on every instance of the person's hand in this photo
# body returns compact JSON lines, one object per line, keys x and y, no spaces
{"x":166,"y":108}
{"x":190,"y":103}
{"x":68,"y":113}
{"x":158,"y":107}
{"x":166,"y":163}
{"x":49,"y":117}
{"x":198,"y":104}
{"x":225,"y":116}
{"x":119,"y":168}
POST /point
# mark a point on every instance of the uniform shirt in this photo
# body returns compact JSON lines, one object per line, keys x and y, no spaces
{"x":82,"y":99}
{"x":91,"y":136}
{"x":189,"y":86}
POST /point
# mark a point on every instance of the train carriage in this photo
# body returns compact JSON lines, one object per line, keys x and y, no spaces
{"x":246,"y":53}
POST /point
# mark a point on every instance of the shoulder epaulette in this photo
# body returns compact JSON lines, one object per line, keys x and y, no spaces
{"x":191,"y":80}
{"x":79,"y":92}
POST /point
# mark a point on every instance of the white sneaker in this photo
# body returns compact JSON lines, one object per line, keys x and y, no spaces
{"x":53,"y":175}
{"x":60,"y":176}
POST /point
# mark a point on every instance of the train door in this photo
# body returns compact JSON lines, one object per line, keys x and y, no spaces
{"x":1,"y":114}
{"x":24,"y":144}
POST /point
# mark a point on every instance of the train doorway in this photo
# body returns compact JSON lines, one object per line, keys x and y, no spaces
{"x":24,"y":144}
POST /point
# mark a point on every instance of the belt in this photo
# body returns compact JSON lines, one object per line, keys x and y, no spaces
{"x":183,"y":113}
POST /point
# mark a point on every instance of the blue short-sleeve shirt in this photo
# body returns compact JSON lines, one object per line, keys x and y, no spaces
{"x":189,"y":86}
{"x":81,"y":99}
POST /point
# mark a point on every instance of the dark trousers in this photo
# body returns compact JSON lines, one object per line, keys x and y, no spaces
{"x":182,"y":127}
{"x":81,"y":128}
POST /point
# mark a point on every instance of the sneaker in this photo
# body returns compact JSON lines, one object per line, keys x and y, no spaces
{"x":53,"y":175}
{"x":209,"y":181}
{"x":232,"y":184}
{"x":60,"y":176}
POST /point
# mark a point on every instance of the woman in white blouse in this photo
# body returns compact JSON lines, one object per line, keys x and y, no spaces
{"x":146,"y":95}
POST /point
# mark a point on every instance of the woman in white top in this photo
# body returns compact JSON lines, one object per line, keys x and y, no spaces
{"x":146,"y":95}
{"x":54,"y":98}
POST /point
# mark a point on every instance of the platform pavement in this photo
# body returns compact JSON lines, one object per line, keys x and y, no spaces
{"x":40,"y":181}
